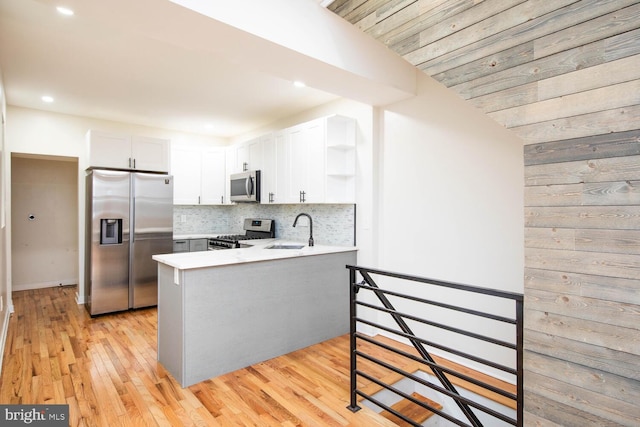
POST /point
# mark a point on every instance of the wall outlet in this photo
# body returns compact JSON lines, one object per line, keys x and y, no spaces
{"x":183,"y":218}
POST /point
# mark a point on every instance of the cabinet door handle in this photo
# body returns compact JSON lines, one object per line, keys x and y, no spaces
{"x":302,"y":197}
{"x":129,"y":162}
{"x":222,"y":200}
{"x":134,"y":163}
{"x":245,"y":167}
{"x":270,"y":197}
{"x":198,"y":199}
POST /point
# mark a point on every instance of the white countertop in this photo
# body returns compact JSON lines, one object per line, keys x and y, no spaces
{"x":258,"y":252}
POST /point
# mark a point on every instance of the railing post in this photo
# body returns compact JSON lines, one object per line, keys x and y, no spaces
{"x":352,"y":339}
{"x":520,"y":361}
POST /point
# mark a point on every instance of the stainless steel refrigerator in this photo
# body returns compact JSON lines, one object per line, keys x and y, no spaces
{"x":129,"y":218}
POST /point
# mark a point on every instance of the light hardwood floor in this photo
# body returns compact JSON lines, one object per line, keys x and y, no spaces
{"x":105,"y":368}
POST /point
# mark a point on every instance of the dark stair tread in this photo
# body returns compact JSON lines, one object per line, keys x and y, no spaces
{"x":412,"y":411}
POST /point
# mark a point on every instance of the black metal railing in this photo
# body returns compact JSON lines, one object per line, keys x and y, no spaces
{"x":435,"y":320}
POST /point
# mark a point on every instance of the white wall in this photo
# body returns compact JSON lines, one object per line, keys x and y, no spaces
{"x":454,"y":179}
{"x":451,"y":196}
{"x":44,"y":226}
{"x":39,"y":132}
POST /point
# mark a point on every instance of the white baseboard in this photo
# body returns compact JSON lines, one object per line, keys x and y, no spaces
{"x":80,"y":299}
{"x":52,"y":284}
{"x":5,"y":330}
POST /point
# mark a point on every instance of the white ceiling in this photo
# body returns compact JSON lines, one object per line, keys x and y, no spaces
{"x":99,"y":64}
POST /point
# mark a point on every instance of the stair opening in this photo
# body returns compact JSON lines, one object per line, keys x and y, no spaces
{"x":424,"y":417}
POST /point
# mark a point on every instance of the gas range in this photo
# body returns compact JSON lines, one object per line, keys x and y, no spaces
{"x":255,"y":228}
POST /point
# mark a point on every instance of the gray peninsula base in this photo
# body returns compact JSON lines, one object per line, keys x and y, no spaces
{"x":219,"y":319}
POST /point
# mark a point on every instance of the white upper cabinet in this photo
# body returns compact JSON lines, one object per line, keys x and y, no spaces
{"x":214,"y":177}
{"x":313,"y":162}
{"x":199,"y":175}
{"x":120,"y":151}
{"x":109,"y":150}
{"x":322,"y":161}
{"x":276,"y":175}
{"x":248,"y":155}
{"x":307,"y":162}
{"x":150,"y":154}
{"x":186,"y":169}
{"x":269,"y":172}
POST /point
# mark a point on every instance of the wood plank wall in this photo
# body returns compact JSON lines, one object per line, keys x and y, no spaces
{"x":564,"y":75}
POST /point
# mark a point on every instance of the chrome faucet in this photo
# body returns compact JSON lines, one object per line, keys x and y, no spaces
{"x":310,"y":226}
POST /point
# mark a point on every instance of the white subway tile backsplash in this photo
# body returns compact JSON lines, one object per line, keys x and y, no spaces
{"x":201,"y":219}
{"x":333,"y":224}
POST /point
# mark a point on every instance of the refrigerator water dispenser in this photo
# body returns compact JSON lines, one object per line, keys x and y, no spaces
{"x":111,"y":231}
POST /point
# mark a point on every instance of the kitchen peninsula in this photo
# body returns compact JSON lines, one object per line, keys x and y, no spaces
{"x":219,"y":311}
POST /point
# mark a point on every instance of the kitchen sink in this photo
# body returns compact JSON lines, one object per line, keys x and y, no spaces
{"x":285,"y":246}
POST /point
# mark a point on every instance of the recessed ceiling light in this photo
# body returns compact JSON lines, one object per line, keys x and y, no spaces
{"x":298,"y":83}
{"x":47,"y":98}
{"x":64,"y":10}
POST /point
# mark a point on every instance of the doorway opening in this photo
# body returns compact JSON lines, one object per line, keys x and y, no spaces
{"x":44,"y":221}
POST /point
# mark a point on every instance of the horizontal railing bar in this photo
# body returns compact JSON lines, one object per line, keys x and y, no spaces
{"x":454,"y":396}
{"x":468,"y":413}
{"x":441,"y":347}
{"x":440,"y":304}
{"x":442,"y":368}
{"x":452,"y":285}
{"x":411,"y":398}
{"x":440,"y":325}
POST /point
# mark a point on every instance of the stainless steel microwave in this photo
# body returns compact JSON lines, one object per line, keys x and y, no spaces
{"x":245,"y":186}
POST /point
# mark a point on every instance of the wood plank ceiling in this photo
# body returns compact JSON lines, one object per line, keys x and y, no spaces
{"x":564,"y":76}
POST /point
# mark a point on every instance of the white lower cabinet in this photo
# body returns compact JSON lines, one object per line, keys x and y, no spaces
{"x":199,"y":175}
